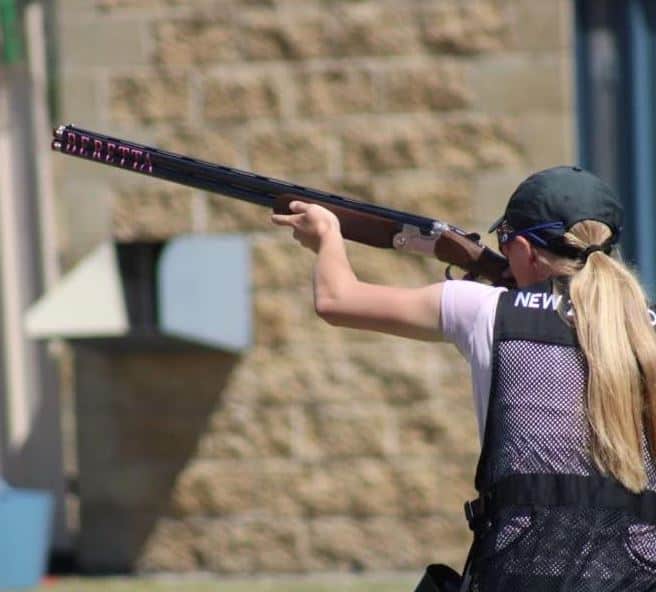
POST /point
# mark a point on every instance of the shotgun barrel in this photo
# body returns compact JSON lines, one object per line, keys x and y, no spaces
{"x":362,"y":222}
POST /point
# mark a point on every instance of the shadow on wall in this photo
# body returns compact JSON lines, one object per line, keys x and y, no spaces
{"x":140,"y":416}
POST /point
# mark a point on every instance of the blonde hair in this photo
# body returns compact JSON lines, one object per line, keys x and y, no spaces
{"x":615,"y":333}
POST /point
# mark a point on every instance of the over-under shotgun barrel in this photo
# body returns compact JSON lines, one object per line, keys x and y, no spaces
{"x":362,"y":222}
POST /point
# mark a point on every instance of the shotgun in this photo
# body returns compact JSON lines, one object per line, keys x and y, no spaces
{"x":361,"y":222}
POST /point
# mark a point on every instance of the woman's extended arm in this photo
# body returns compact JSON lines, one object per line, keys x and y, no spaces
{"x":341,"y":299}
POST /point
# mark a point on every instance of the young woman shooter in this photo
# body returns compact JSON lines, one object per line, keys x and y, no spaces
{"x":564,"y":378}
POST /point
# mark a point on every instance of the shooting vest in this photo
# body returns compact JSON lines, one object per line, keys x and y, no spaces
{"x":546,"y":519}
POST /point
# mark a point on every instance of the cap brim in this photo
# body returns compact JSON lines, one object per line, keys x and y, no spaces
{"x":497,"y":223}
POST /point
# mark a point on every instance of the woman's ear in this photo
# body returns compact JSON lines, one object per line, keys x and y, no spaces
{"x":526,"y":249}
{"x":535,"y":265}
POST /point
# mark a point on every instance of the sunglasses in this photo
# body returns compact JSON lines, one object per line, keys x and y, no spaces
{"x":506,"y":233}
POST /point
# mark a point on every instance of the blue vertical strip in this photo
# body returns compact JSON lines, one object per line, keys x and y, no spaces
{"x":642,"y":121}
{"x":582,"y":99}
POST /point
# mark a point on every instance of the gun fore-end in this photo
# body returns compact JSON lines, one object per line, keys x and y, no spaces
{"x":361,"y":227}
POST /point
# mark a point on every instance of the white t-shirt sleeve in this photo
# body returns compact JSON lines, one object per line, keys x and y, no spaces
{"x":468,"y":312}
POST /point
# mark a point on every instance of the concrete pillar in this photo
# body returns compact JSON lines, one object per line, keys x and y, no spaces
{"x":30,"y":449}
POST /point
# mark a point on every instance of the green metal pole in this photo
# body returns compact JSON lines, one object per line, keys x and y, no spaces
{"x":10,"y":25}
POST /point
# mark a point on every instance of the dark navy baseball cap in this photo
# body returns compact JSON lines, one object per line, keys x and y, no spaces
{"x":548,"y":203}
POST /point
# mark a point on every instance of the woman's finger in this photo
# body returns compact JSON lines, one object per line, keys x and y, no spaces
{"x":298,"y":206}
{"x":285,"y":219}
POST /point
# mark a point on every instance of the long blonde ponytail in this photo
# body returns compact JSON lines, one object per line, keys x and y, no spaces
{"x":619,"y":343}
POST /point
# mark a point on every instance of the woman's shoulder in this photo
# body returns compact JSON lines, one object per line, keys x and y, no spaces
{"x":463,"y":301}
{"x":468,"y":311}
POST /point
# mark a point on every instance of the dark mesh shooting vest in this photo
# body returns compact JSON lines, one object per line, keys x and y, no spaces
{"x":546,"y":520}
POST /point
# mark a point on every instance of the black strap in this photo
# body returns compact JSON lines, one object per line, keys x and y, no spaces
{"x":560,"y":490}
{"x":439,"y":578}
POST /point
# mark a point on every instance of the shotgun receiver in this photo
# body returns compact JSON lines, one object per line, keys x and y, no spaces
{"x":361,"y":222}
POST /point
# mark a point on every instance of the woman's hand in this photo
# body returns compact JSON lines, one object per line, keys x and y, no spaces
{"x":341,"y":299}
{"x":311,"y":223}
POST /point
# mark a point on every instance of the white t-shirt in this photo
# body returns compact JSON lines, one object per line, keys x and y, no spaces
{"x":468,"y":312}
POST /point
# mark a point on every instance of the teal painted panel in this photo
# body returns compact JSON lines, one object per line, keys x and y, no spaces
{"x":204,"y":290}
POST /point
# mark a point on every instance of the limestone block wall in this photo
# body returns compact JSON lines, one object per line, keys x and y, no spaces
{"x":319,"y":448}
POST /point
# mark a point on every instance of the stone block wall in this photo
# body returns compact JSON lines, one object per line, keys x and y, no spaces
{"x":319,"y":448}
